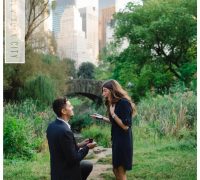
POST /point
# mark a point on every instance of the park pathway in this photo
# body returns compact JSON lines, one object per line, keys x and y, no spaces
{"x":98,"y":168}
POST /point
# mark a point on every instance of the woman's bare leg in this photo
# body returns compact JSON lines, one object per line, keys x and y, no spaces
{"x":115,"y":172}
{"x":120,"y":173}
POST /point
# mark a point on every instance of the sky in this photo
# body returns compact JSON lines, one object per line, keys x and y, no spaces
{"x":84,"y":3}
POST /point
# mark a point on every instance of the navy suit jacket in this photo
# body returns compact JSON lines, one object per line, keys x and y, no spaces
{"x":65,"y":156}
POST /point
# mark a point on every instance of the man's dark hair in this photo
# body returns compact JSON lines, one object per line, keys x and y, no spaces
{"x":58,"y":104}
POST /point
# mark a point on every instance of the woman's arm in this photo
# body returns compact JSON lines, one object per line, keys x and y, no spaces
{"x":105,"y":119}
{"x":117,"y":119}
{"x":119,"y":122}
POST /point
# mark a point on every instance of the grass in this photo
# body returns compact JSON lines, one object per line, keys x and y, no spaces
{"x":154,"y":158}
{"x":105,"y":160}
{"x":36,"y":169}
{"x":164,"y":138}
{"x":166,"y":159}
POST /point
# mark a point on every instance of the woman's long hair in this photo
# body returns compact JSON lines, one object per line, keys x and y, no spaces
{"x":117,"y":93}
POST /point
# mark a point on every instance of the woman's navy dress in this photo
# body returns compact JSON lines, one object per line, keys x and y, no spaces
{"x":122,"y":140}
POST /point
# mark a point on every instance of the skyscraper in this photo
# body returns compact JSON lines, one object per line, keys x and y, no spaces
{"x":75,"y":26}
{"x":105,"y":17}
{"x":106,"y":23}
{"x":89,"y":17}
{"x":71,"y":39}
{"x":57,"y":12}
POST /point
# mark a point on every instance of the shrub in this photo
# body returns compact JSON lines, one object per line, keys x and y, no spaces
{"x":100,"y":134}
{"x":34,"y":117}
{"x":18,"y":138}
{"x":82,"y":110}
{"x":80,"y":121}
{"x":169,"y":113}
{"x":41,"y":88}
{"x":26,"y":108}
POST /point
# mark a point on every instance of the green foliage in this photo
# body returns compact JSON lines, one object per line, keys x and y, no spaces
{"x":86,"y":71}
{"x":100,"y":134}
{"x":164,"y":132}
{"x":28,"y":113}
{"x":41,"y":88}
{"x":168,"y":114}
{"x":83,"y":108}
{"x":75,"y":101}
{"x":104,"y":71}
{"x":16,"y":75}
{"x":18,"y":138}
{"x":80,"y":121}
{"x":161,"y":50}
{"x":29,"y":109}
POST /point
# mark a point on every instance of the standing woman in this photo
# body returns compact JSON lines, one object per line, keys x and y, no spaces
{"x":120,"y":110}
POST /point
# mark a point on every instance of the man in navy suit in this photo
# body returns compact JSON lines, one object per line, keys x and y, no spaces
{"x":65,"y":154}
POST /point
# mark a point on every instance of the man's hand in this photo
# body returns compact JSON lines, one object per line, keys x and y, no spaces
{"x":91,"y":145}
{"x":83,"y":143}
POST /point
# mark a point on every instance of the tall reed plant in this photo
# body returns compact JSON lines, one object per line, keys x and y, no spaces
{"x":169,"y":113}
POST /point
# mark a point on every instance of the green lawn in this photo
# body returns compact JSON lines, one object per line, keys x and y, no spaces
{"x":36,"y":169}
{"x":164,"y":160}
{"x":159,"y":159}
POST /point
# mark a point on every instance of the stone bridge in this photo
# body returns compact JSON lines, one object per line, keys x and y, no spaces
{"x":85,"y":87}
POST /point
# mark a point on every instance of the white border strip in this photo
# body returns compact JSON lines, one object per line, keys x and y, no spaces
{"x":1,"y":91}
{"x":14,"y":31}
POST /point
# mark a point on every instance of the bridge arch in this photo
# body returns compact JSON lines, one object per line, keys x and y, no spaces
{"x":85,"y":87}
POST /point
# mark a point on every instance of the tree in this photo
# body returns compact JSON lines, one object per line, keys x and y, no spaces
{"x":86,"y":71}
{"x":37,"y":12}
{"x":162,"y":39}
{"x":105,"y":69}
{"x":16,"y":76}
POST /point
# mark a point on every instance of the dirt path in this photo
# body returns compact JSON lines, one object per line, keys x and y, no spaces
{"x":98,"y":153}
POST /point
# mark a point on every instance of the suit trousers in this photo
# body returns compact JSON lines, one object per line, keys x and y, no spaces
{"x":86,"y":168}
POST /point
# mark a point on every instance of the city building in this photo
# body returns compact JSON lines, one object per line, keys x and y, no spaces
{"x":89,"y":17}
{"x":105,"y":17}
{"x":71,"y":40}
{"x":57,"y":12}
{"x":106,"y":22}
{"x":75,"y":26}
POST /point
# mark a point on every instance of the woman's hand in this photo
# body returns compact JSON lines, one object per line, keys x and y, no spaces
{"x":117,"y":119}
{"x":112,"y":110}
{"x":98,"y":116}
